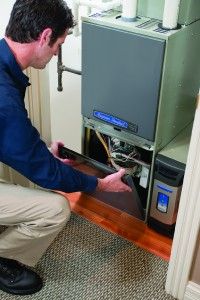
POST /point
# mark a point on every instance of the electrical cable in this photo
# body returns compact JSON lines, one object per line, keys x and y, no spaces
{"x":119,"y":156}
{"x":104,"y":144}
{"x":124,"y":156}
{"x":87,"y":140}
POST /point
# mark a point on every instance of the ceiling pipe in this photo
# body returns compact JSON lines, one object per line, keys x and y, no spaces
{"x":75,"y":10}
{"x":170,"y":15}
{"x":129,"y":10}
{"x":103,"y":6}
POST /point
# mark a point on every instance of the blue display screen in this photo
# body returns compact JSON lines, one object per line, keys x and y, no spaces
{"x":162,"y":202}
{"x":110,"y":119}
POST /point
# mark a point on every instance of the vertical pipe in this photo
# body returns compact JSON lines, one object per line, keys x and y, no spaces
{"x":170,"y":15}
{"x":59,"y":70}
{"x":129,"y":10}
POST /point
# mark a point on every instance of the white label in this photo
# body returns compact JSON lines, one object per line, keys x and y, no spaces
{"x":144,"y":177}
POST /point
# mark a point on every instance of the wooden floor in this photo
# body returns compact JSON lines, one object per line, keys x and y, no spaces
{"x":120,"y":223}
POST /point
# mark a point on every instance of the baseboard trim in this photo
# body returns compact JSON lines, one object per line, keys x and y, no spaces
{"x":192,"y":291}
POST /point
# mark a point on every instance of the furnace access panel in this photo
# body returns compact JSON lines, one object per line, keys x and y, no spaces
{"x":121,"y":78}
{"x":139,"y":78}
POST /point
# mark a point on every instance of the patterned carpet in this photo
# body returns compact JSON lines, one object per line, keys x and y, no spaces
{"x":86,"y":262}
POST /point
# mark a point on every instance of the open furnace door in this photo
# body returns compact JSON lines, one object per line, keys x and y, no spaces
{"x":124,"y":201}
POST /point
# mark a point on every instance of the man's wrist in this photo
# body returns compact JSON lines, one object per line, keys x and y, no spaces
{"x":99,"y":184}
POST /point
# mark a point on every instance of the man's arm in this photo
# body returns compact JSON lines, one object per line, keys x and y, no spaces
{"x":111,"y":183}
{"x":23,"y":150}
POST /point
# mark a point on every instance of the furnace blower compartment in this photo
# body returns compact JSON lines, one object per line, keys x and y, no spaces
{"x":130,"y":203}
{"x":114,"y":153}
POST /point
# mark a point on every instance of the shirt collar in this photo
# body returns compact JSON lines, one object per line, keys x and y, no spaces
{"x":7,"y":57}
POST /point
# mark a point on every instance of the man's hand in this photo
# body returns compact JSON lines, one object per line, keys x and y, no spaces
{"x":55,"y":151}
{"x":113,"y":183}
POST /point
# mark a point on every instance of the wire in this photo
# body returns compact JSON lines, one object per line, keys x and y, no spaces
{"x":124,"y":156}
{"x":104,"y":144}
{"x":87,"y":140}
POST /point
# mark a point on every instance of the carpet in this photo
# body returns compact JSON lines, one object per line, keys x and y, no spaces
{"x":85,"y":262}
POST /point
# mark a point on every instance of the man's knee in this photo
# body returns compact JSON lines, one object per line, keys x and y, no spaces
{"x":60,"y":209}
{"x":53,"y":214}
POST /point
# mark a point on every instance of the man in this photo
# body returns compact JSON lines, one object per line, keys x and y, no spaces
{"x":34,"y":217}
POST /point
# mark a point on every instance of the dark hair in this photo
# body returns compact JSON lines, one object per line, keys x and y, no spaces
{"x":29,"y":18}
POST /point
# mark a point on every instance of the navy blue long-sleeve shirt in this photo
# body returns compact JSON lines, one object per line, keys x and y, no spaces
{"x":20,"y":144}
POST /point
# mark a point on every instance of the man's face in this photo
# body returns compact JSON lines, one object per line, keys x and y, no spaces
{"x":44,"y":52}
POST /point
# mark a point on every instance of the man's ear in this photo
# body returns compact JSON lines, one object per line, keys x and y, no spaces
{"x":45,"y":37}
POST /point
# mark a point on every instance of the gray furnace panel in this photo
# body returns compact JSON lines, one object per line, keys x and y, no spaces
{"x":121,"y":75}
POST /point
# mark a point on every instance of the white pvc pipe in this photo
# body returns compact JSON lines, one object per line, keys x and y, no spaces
{"x":104,"y":6}
{"x":129,"y":10}
{"x":170,"y":15}
{"x":75,"y":11}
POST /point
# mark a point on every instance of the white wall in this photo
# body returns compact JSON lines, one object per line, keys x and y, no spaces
{"x":6,"y":7}
{"x":66,"y":105}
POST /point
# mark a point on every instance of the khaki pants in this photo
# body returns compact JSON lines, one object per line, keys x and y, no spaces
{"x":33,"y":219}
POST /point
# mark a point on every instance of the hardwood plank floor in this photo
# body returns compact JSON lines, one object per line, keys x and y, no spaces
{"x":120,"y":223}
